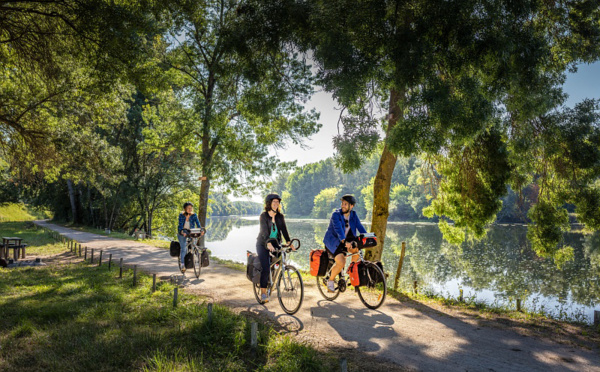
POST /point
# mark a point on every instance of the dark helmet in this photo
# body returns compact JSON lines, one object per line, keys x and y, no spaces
{"x":272,"y":197}
{"x":349,"y":198}
{"x":187,"y":204}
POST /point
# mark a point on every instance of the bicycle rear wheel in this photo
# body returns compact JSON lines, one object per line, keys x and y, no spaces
{"x":197,"y":264}
{"x":290,"y":290}
{"x":373,"y":293}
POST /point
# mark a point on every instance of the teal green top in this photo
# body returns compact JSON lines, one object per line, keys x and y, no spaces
{"x":273,"y":232}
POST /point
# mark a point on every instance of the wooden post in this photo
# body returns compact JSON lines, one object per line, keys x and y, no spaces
{"x":518,"y":304}
{"x":253,"y":335}
{"x":100,"y":259}
{"x":209,"y":309}
{"x":460,"y":298}
{"x":92,"y":257}
{"x":153,"y":283}
{"x":175,"y":297}
{"x":344,"y":365}
{"x":415,"y":287}
{"x":109,"y":261}
{"x":399,"y":269}
{"x":596,"y":318}
{"x":85,"y":256}
{"x":134,"y":275}
{"x":121,"y":268}
{"x":79,"y":250}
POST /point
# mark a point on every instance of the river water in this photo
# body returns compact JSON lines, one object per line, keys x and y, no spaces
{"x":496,"y":270}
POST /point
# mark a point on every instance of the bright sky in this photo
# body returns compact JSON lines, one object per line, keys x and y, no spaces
{"x":583,"y":84}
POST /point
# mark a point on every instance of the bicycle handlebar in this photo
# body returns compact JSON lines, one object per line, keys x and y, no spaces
{"x":287,"y":247}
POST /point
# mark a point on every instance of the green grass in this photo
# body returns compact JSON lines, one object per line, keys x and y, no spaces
{"x":80,"y":317}
{"x":39,"y":242}
{"x":21,"y":212}
{"x":115,"y":234}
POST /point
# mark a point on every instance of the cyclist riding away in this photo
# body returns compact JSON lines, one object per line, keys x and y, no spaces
{"x":340,"y":234}
{"x":187,"y":220}
{"x":272,"y":226}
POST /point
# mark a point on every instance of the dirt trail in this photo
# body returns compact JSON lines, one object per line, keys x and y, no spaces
{"x":424,"y":340}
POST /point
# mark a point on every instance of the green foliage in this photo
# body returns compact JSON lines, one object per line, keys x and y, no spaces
{"x":325,"y":202}
{"x":473,"y":179}
{"x":475,"y":90}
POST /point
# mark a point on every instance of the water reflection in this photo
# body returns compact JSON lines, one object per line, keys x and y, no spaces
{"x":497,"y":269}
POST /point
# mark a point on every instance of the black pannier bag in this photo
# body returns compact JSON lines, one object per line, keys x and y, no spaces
{"x":204,"y":258}
{"x":367,"y":240}
{"x":189,"y":260}
{"x":253,"y":268}
{"x":174,"y":249}
{"x":368,"y":271}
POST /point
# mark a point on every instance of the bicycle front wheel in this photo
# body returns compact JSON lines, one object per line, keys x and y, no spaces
{"x":290,"y":290}
{"x":322,"y":285}
{"x":256,"y":290}
{"x":373,"y":293}
{"x":197,"y":265}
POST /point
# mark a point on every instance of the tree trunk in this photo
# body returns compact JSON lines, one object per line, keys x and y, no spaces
{"x":72,"y":199}
{"x":89,"y":196}
{"x":149,"y":224}
{"x":203,"y":205}
{"x":383,"y":182}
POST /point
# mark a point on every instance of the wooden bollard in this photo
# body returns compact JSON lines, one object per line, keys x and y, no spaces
{"x":596,"y":318}
{"x":175,"y":297}
{"x":121,"y":268}
{"x":399,"y":269}
{"x":253,"y":335}
{"x":209,"y":309}
{"x":134,"y":275}
{"x":109,"y":261}
{"x":518,"y":304}
{"x":153,"y":283}
{"x":415,"y":290}
{"x":92,"y":256}
{"x":344,"y":365}
{"x":100,"y":259}
{"x":85,"y":255}
{"x":460,"y":297}
{"x":79,"y":250}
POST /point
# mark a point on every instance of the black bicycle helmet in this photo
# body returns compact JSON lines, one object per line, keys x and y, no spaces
{"x":272,"y":197}
{"x":187,"y":204}
{"x":349,"y":198}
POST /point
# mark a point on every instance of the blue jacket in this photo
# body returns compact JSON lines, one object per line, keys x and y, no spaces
{"x":193,"y":222}
{"x":336,"y":232}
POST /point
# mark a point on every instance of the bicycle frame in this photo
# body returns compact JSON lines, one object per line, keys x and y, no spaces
{"x":279,"y":269}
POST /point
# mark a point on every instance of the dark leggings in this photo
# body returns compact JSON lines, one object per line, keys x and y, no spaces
{"x":265,"y":262}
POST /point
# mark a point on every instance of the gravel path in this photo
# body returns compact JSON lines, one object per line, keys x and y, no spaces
{"x":423,"y":340}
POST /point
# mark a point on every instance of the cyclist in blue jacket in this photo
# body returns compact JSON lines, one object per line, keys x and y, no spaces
{"x":187,"y":220}
{"x":341,"y":232}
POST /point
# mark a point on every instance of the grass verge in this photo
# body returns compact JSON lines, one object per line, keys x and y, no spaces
{"x":21,"y":212}
{"x":526,"y":322}
{"x":81,"y":317}
{"x":39,"y":242}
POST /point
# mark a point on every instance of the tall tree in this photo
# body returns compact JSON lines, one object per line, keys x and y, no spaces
{"x":244,"y":86}
{"x":460,"y":82}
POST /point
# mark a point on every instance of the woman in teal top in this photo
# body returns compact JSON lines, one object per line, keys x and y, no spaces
{"x":272,"y":227}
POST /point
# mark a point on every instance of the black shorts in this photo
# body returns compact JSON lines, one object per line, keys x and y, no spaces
{"x":340,"y":249}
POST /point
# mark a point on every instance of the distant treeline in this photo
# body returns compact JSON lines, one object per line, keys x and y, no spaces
{"x":220,"y":205}
{"x":314,"y":190}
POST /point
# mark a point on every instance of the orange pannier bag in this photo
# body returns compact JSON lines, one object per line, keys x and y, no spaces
{"x":318,"y":262}
{"x":354,"y":272}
